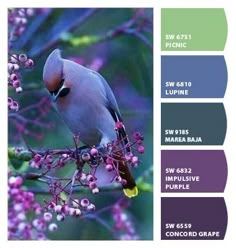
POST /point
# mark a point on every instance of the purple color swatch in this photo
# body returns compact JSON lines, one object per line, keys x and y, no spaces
{"x":193,"y":171}
{"x":193,"y":218}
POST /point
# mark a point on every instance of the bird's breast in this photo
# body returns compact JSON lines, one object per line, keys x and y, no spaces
{"x":91,"y":122}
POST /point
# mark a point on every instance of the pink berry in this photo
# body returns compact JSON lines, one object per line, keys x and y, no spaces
{"x":134,"y":160}
{"x":77,"y":212}
{"x":136,"y":135}
{"x":90,"y":178}
{"x":19,"y":89}
{"x":19,"y":181}
{"x":109,"y":161}
{"x":16,"y":83}
{"x":9,"y":101}
{"x":14,"y":106}
{"x":37,"y":157}
{"x":60,"y":217}
{"x":13,"y":77}
{"x":22,"y":57}
{"x":129,"y":156}
{"x":85,"y":157}
{"x":95,"y":190}
{"x":123,"y":182}
{"x":119,"y":125}
{"x":52,"y":227}
{"x":47,"y":217}
{"x":91,"y":207}
{"x":94,"y":152}
{"x":109,"y":167}
{"x":58,"y":209}
{"x":140,"y":149}
{"x":92,"y":185}
{"x":51,"y":205}
{"x":84,"y":202}
{"x":29,"y":63}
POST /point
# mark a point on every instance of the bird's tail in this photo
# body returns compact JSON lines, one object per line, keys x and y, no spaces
{"x":130,"y":188}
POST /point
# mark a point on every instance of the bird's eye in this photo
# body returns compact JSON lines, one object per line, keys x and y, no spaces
{"x":64,"y":92}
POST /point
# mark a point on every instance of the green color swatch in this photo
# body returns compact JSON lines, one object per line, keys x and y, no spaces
{"x":193,"y":29}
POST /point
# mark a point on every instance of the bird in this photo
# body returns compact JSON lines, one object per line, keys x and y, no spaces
{"x":88,"y":107}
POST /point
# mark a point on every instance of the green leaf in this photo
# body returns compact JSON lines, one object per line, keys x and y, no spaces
{"x":16,"y":163}
{"x":18,"y":156}
{"x":146,"y":187}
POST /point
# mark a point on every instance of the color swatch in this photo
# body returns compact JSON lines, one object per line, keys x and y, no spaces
{"x":195,"y":29}
{"x":193,"y":124}
{"x":193,"y":76}
{"x":193,"y":171}
{"x":193,"y":218}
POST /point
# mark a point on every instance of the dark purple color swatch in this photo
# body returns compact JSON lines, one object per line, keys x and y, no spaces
{"x":193,"y":171}
{"x":186,"y":218}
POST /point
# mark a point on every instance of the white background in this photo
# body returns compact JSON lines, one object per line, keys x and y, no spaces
{"x":229,"y":103}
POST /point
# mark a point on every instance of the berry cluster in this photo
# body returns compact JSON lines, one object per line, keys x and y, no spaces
{"x":76,"y":209}
{"x":17,"y":21}
{"x":26,"y":218}
{"x":85,"y":177}
{"x":15,"y":64}
{"x":122,"y":222}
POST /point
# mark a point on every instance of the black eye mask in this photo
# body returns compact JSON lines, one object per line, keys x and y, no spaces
{"x":63,"y":92}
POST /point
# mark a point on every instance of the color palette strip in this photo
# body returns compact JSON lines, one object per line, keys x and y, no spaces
{"x":193,"y":124}
{"x":193,"y":29}
{"x":193,"y":171}
{"x":193,"y":76}
{"x":193,"y":218}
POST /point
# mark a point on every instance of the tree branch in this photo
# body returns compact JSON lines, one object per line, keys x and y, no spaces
{"x":22,"y":154}
{"x":130,"y":27}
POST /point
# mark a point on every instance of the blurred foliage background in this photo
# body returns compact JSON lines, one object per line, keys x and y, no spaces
{"x":117,"y":43}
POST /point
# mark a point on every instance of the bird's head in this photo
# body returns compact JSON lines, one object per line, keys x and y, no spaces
{"x":54,"y":76}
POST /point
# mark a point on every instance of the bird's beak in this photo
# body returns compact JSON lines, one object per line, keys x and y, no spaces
{"x":55,"y":96}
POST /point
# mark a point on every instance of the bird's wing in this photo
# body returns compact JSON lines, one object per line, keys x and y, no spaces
{"x":113,"y":108}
